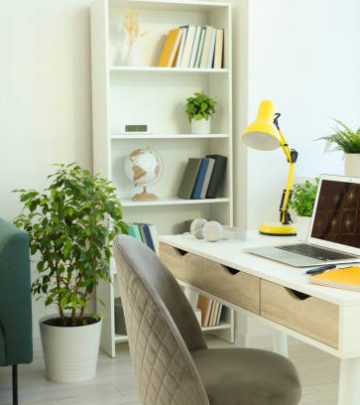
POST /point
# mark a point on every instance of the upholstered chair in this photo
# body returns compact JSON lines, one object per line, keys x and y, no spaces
{"x":172,"y":363}
{"x":15,"y":300}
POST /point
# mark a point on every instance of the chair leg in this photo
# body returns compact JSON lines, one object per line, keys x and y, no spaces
{"x":15,"y":384}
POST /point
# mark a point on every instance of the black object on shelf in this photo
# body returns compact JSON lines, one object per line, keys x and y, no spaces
{"x":120,"y":327}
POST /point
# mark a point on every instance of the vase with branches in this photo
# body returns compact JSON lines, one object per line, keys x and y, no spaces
{"x":132,"y":27}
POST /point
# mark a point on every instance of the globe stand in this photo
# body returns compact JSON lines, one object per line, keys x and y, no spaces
{"x":145,"y":196}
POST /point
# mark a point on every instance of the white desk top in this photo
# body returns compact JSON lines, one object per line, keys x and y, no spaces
{"x":231,"y":253}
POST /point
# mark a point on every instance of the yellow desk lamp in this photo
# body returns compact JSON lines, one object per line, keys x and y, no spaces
{"x":264,"y":134}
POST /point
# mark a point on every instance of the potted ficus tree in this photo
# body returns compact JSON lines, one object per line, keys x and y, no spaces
{"x":348,"y":141}
{"x":199,"y":109}
{"x":71,"y":226}
{"x":302,"y":202}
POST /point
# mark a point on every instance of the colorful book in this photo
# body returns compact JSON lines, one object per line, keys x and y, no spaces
{"x":148,"y":237}
{"x":211,"y":49}
{"x":204,"y":304}
{"x":185,"y":60}
{"x":200,"y":179}
{"x":206,"y":48}
{"x":133,"y":230}
{"x":347,"y":278}
{"x":189,"y":178}
{"x":219,"y":49}
{"x":170,"y":49}
{"x":184,"y":30}
{"x":195,"y":47}
{"x":208,"y":174}
{"x":154,"y":237}
{"x":217,"y":176}
{"x":200,"y":47}
{"x":142,"y":233}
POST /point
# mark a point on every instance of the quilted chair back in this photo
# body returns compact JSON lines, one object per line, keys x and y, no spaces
{"x":161,"y":327}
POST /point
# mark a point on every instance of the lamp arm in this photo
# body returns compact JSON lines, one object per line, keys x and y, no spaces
{"x":291,"y":155}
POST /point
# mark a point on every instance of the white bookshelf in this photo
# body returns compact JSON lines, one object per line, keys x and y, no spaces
{"x":147,"y":94}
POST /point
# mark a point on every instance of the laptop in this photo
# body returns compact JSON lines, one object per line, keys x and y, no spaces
{"x":334,"y":236}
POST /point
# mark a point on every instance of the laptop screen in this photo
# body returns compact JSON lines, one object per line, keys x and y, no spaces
{"x":337,"y":216}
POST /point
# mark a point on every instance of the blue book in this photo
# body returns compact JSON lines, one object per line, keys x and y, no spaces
{"x":196,"y":194}
{"x":148,"y":236}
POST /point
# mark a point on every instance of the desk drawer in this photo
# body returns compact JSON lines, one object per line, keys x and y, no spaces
{"x":308,"y":315}
{"x":238,"y":288}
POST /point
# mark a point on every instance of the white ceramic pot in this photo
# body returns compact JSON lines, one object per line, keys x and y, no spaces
{"x":200,"y":126}
{"x":352,"y":164}
{"x":70,"y":353}
{"x":303,"y":227}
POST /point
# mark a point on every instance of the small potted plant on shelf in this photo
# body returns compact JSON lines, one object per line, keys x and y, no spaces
{"x":71,"y":226}
{"x":348,"y":141}
{"x":302,"y":202}
{"x":199,"y":109}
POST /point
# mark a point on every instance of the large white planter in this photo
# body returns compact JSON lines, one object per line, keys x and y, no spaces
{"x":352,"y":164}
{"x":303,"y":227}
{"x":200,"y":126}
{"x":70,"y":353}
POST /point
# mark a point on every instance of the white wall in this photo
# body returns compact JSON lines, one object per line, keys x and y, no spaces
{"x":45,"y":104}
{"x":305,"y":56}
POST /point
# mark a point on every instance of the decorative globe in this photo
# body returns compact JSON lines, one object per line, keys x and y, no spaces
{"x":143,"y":167}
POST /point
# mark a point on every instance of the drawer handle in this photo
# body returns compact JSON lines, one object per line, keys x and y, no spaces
{"x":297,"y":294}
{"x":231,"y":270}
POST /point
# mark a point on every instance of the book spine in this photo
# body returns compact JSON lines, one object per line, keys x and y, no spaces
{"x":211,"y":49}
{"x":200,"y":47}
{"x":184,"y":30}
{"x":205,"y":52}
{"x":133,"y":230}
{"x":148,"y":238}
{"x":143,"y":237}
{"x":200,"y":179}
{"x":195,"y":47}
{"x":188,"y":47}
{"x":154,"y":236}
{"x":208,"y":174}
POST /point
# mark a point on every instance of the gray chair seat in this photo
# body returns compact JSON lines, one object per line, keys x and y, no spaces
{"x":247,"y":377}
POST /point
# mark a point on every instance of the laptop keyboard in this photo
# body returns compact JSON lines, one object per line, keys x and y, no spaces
{"x":316,"y":252}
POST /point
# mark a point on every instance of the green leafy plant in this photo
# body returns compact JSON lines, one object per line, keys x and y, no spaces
{"x":344,"y":138}
{"x":71,"y":225}
{"x":200,"y":106}
{"x":303,"y":198}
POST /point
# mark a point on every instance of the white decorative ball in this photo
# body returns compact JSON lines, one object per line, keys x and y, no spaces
{"x":143,"y":166}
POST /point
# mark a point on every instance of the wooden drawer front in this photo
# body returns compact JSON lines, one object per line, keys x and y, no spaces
{"x":240,"y":289}
{"x":310,"y":316}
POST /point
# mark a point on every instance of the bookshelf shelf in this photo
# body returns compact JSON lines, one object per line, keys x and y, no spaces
{"x":156,"y":96}
{"x":168,"y":136}
{"x":154,"y":69}
{"x":127,"y":202}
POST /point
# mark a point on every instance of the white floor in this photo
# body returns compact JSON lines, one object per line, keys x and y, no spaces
{"x":115,"y":385}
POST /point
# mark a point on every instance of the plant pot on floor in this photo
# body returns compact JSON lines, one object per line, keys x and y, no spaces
{"x":200,"y":126}
{"x":303,"y":227}
{"x":352,"y":164}
{"x":70,"y":352}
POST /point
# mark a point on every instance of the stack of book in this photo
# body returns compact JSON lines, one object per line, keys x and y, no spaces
{"x":193,"y":46}
{"x":202,"y":177}
{"x":210,"y":311}
{"x":145,"y":233}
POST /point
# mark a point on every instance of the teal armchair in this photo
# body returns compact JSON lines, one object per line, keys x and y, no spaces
{"x":15,"y":300}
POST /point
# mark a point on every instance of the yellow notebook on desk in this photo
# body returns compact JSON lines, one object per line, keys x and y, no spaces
{"x":347,"y":278}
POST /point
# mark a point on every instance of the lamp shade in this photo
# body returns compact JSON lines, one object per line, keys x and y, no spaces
{"x":262,"y":134}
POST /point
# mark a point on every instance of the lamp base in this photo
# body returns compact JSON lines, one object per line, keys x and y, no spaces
{"x":278,"y":229}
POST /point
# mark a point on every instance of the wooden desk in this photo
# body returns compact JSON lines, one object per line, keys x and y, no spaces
{"x":279,"y":295}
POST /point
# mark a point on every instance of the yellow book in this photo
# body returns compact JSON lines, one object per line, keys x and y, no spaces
{"x":170,"y":49}
{"x":347,"y":278}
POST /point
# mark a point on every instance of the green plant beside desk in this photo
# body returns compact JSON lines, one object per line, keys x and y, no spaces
{"x":71,"y":225}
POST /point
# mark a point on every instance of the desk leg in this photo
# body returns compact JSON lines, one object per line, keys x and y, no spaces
{"x":349,"y":382}
{"x":192,"y":297}
{"x":280,"y":343}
